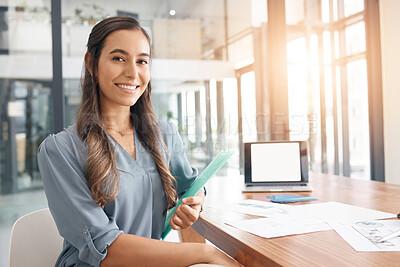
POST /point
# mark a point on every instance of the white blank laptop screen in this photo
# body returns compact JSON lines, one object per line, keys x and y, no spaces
{"x":275,"y":162}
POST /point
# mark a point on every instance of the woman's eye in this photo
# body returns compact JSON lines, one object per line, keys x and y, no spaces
{"x":118,"y":59}
{"x":143,"y":62}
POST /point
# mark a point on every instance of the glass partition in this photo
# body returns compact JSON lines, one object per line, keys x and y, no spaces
{"x":25,"y":108}
{"x":25,"y":92}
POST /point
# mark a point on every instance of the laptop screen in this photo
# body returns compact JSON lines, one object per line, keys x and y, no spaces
{"x":276,"y":162}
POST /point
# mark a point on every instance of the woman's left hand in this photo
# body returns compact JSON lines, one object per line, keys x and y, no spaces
{"x":188,"y":212}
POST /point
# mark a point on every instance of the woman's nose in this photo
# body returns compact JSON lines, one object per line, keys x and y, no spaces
{"x":131,"y":70}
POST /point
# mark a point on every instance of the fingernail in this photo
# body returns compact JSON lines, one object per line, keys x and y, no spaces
{"x":184,"y":200}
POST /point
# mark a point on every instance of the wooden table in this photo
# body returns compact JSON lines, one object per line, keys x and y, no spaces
{"x":325,"y":248}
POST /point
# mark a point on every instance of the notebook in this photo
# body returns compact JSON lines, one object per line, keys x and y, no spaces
{"x":275,"y":166}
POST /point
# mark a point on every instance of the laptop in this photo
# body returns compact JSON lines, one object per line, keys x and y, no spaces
{"x":276,"y":166}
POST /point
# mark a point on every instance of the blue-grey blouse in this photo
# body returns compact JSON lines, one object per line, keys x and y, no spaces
{"x":138,"y":209}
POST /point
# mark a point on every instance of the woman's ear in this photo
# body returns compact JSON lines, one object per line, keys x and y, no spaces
{"x":88,"y":63}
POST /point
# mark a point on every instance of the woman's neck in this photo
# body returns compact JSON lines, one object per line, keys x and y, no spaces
{"x":117,"y":119}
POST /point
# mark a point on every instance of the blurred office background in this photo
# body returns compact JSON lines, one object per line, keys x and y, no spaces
{"x":224,"y":71}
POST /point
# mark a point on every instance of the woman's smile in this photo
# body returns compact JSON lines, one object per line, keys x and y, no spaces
{"x":128,"y":88}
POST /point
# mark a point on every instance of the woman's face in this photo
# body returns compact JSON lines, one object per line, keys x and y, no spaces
{"x":123,"y":68}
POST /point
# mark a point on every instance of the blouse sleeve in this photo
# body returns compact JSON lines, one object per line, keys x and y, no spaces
{"x":181,"y":169}
{"x":79,"y":219}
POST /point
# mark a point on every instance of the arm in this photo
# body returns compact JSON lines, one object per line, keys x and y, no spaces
{"x":187,"y":213}
{"x":130,"y":250}
{"x":80,"y":221}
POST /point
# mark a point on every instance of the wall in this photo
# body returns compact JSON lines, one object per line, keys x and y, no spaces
{"x":390,"y":42}
{"x":177,"y":38}
{"x":239,"y":16}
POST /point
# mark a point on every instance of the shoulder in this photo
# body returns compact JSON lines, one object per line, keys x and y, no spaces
{"x":66,"y":142}
{"x":169,"y":133}
{"x":65,"y":138}
{"x":168,"y":128}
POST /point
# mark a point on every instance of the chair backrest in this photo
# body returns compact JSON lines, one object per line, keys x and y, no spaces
{"x":35,"y":240}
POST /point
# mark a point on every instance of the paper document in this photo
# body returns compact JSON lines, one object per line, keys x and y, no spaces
{"x":254,"y":207}
{"x":341,"y":213}
{"x":365,"y":236}
{"x":282,"y":219}
{"x":198,"y":184}
{"x":282,"y":225}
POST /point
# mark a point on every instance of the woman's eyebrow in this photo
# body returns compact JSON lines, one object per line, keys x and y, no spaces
{"x":144,"y":55}
{"x":117,"y":50}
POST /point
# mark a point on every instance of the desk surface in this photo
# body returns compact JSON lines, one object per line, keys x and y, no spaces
{"x":324,"y":248}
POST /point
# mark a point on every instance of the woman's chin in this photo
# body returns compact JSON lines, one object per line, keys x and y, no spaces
{"x":132,"y":102}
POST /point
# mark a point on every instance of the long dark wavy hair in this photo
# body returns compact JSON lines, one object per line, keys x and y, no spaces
{"x":100,"y":169}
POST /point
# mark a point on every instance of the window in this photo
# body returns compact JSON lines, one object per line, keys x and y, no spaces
{"x":327,"y":82}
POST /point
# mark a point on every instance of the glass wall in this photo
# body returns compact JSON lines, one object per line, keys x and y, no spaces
{"x":25,"y":92}
{"x":324,"y":43}
{"x":25,"y":105}
{"x":248,"y":103}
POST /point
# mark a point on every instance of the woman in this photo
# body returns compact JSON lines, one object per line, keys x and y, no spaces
{"x":110,"y":178}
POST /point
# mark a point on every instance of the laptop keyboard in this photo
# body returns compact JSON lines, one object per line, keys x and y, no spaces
{"x":278,"y":185}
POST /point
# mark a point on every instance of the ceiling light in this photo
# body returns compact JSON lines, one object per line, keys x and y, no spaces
{"x":172,"y":12}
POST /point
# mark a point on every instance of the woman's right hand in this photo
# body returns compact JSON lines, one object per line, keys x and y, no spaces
{"x":220,"y":258}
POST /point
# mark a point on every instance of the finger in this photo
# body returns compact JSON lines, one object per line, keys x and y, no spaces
{"x":173,"y":223}
{"x":177,"y":220}
{"x":191,"y":212}
{"x":186,"y":222}
{"x":196,"y":200}
{"x":196,"y":206}
{"x":183,"y":217}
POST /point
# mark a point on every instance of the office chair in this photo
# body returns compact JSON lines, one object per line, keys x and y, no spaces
{"x":35,"y":240}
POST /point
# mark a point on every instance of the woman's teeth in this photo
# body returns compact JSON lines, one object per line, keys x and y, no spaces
{"x":127,"y":87}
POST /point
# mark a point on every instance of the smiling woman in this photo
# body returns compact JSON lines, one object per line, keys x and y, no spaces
{"x":111,"y":177}
{"x":124,"y":66}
